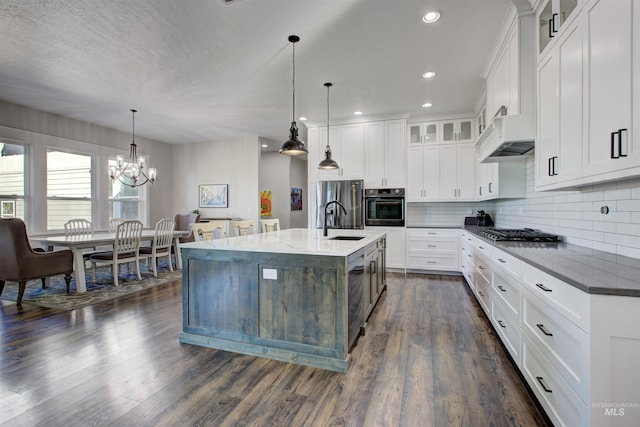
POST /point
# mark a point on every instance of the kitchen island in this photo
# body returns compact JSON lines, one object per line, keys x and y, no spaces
{"x":290,"y":295}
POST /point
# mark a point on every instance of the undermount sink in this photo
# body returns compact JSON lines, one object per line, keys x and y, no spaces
{"x":347,"y":238}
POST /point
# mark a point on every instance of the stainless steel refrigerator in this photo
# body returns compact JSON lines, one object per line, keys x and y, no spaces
{"x":349,"y":194}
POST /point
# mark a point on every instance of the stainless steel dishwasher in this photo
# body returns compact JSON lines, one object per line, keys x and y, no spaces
{"x":355,"y":294}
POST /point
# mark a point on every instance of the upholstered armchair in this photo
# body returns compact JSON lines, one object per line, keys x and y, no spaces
{"x":183,"y":223}
{"x":19,"y":262}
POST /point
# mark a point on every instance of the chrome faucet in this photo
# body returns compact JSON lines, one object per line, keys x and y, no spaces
{"x":324,"y":229}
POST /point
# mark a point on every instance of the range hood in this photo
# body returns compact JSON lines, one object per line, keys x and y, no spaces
{"x":507,"y":137}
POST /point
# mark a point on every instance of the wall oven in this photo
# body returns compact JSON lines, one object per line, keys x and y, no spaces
{"x":384,"y":207}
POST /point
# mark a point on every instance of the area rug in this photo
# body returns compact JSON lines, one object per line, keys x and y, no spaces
{"x":102,"y":289}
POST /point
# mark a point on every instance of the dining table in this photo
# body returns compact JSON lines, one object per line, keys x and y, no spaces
{"x":78,"y":243}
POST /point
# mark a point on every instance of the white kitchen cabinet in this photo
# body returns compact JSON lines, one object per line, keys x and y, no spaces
{"x":347,"y":148}
{"x":551,"y":20}
{"x":560,"y":110}
{"x":424,"y":133}
{"x":395,"y":246}
{"x":423,"y":173}
{"x":385,"y":153}
{"x":432,"y":249}
{"x":501,"y":180}
{"x":611,"y":45}
{"x":457,"y":172}
{"x":458,"y":130}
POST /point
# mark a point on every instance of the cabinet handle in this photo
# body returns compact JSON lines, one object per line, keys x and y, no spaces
{"x":543,"y":287}
{"x":553,"y":21}
{"x":501,"y":324}
{"x":469,"y":255}
{"x":481,"y":267}
{"x":481,"y":247}
{"x":480,"y":293}
{"x":501,"y":288}
{"x":544,"y":330}
{"x":431,"y":262}
{"x":620,"y":142}
{"x":550,"y":28}
{"x":490,"y":190}
{"x":501,"y":260}
{"x":373,"y":267}
{"x":549,"y":165}
{"x":464,"y":249}
{"x":544,"y":386}
{"x":480,"y":190}
{"x":613,"y":146}
{"x":555,"y":163}
{"x":432,"y":246}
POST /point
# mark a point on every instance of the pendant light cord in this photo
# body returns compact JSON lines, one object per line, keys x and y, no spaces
{"x":328,"y":86}
{"x":293,"y":81}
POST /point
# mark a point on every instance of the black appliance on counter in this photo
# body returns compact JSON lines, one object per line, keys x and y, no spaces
{"x":520,"y":235}
{"x":484,"y":219}
{"x":384,"y":207}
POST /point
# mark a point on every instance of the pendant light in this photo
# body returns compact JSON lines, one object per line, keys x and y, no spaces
{"x":131,"y":173}
{"x":328,"y":162}
{"x":293,"y":147}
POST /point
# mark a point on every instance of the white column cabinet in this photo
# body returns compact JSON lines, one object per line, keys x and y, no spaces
{"x":347,"y":148}
{"x":457,"y":172}
{"x":423,"y":173}
{"x":385,"y":153}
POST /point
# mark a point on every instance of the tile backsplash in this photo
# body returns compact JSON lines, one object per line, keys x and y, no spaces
{"x":574,"y":215}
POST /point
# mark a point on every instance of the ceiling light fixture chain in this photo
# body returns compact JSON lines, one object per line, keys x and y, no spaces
{"x":293,"y":147}
{"x":131,"y":173}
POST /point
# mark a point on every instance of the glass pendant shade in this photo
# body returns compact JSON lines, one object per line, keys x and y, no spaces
{"x":328,"y":162}
{"x":293,"y":147}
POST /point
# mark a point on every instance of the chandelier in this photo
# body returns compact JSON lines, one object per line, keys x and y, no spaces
{"x":132,"y":172}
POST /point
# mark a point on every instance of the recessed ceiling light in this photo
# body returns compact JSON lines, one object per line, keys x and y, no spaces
{"x":427,"y":105}
{"x":264,"y":145}
{"x":303,"y":119}
{"x":429,"y":74}
{"x":431,"y":17}
{"x":358,"y":113}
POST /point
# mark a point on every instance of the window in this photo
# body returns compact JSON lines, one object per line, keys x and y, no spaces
{"x":12,"y":173}
{"x":126,"y":202}
{"x":68,"y":188}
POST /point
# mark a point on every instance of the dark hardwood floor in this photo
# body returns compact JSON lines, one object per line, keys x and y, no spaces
{"x":430,"y":358}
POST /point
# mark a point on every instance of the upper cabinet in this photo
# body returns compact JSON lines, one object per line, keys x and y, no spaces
{"x":589,"y":97}
{"x":551,"y":19}
{"x":457,"y":130}
{"x":347,"y":148}
{"x":424,"y":133}
{"x":385,"y":153}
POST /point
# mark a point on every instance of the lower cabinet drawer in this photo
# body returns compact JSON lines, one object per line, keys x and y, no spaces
{"x":426,"y":261}
{"x":507,"y":326}
{"x":561,"y":404}
{"x":508,"y":290}
{"x":467,"y":273}
{"x":561,"y":342}
{"x":483,"y":291}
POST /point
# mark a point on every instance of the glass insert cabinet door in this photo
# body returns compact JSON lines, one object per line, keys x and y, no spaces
{"x":553,"y":15}
{"x":457,"y":130}
{"x":423,"y":133}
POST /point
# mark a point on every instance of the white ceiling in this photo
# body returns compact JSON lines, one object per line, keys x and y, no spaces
{"x":202,"y":70}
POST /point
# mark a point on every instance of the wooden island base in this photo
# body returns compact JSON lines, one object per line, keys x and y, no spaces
{"x":288,"y":307}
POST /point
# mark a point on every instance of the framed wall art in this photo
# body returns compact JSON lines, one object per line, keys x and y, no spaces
{"x":8,"y":209}
{"x":214,"y":195}
{"x":296,"y":199}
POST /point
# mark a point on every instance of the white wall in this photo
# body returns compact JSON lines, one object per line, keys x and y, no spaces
{"x":40,"y":130}
{"x":298,"y":179}
{"x":234,"y":162}
{"x":576,"y":216}
{"x":279,"y":173}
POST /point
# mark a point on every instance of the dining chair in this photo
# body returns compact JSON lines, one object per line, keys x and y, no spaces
{"x":270,"y":224}
{"x":160,"y":246}
{"x":125,"y":249}
{"x":77,"y":226}
{"x":20,"y":263}
{"x":208,"y":230}
{"x":245,"y":228}
{"x":113,"y":224}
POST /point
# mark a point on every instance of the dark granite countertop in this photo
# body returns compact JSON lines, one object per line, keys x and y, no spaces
{"x":589,"y":270}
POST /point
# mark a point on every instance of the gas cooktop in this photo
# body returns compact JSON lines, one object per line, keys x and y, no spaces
{"x":520,"y":235}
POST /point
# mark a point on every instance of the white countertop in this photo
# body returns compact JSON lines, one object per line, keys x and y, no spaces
{"x":293,"y":241}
